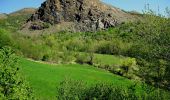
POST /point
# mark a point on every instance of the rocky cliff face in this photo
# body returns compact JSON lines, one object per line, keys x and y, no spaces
{"x":87,"y":15}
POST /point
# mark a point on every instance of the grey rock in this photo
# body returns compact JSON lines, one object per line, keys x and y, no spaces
{"x":88,"y":15}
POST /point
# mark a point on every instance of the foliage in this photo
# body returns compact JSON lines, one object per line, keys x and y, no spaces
{"x":70,"y":90}
{"x":12,"y":85}
{"x":129,"y":68}
{"x":5,"y":38}
{"x":14,"y":23}
{"x":85,"y":58}
{"x":105,"y":91}
{"x":67,"y":56}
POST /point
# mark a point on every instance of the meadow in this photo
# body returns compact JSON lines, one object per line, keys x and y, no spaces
{"x":44,"y":78}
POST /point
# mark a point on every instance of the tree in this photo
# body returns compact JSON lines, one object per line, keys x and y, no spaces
{"x":12,"y":85}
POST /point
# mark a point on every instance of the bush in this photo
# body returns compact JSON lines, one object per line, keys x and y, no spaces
{"x":12,"y":85}
{"x":67,"y":56}
{"x":82,"y":58}
{"x":70,"y":90}
{"x":78,"y":90}
{"x":75,"y":44}
{"x":103,"y":91}
{"x":85,"y":58}
{"x":129,"y":68}
{"x":105,"y":47}
{"x":5,"y":38}
{"x":115,"y":47}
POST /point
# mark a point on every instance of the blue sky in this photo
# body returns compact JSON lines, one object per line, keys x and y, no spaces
{"x":8,"y":6}
{"x":139,"y":5}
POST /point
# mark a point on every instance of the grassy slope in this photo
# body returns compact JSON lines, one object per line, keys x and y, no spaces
{"x":110,"y":59}
{"x":106,"y":59}
{"x":44,"y":78}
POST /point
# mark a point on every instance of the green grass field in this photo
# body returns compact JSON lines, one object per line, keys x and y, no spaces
{"x":109,"y":59}
{"x":105,"y":59}
{"x":44,"y":78}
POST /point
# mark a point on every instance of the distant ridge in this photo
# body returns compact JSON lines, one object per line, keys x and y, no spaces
{"x":24,"y":11}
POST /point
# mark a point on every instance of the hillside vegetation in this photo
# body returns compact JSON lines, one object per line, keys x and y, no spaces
{"x":131,"y":52}
{"x":147,"y":41}
{"x":45,"y":78}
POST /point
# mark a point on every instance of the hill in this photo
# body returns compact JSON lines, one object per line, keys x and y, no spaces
{"x":25,"y":11}
{"x":15,"y":20}
{"x":82,"y":15}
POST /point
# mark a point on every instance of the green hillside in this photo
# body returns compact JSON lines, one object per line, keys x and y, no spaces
{"x":130,"y":61}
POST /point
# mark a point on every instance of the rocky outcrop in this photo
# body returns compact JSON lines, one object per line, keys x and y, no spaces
{"x":87,"y":15}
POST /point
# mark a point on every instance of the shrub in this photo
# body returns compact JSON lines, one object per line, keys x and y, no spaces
{"x":129,"y":68}
{"x":12,"y":85}
{"x":115,"y":47}
{"x":75,"y":44}
{"x":82,"y":58}
{"x":67,"y":56}
{"x":152,"y":93}
{"x":5,"y":38}
{"x":104,"y":47}
{"x":104,"y":91}
{"x":70,"y":90}
{"x":101,"y":91}
{"x":78,"y":90}
{"x":85,"y":58}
